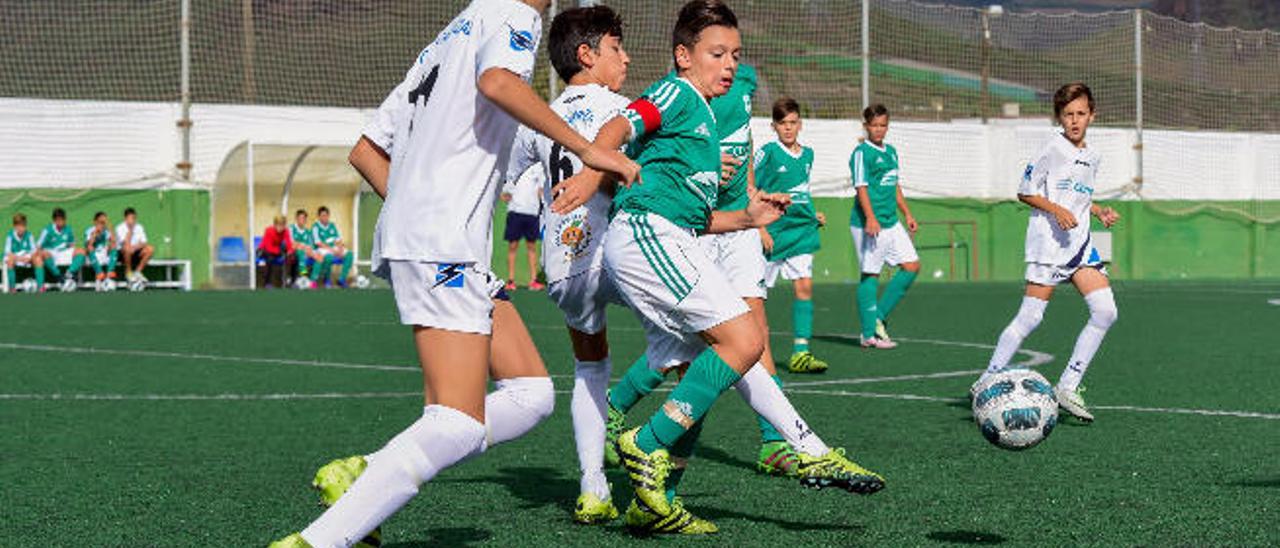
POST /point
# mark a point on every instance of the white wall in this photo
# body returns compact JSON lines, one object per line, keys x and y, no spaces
{"x":50,"y":143}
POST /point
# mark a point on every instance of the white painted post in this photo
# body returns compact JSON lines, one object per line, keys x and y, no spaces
{"x":1137,"y":78}
{"x":866,"y":53}
{"x":253,"y":265}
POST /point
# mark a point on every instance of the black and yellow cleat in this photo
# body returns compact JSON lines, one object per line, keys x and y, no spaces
{"x":835,"y":470}
{"x":647,"y":472}
{"x":643,"y":520}
{"x":613,"y":427}
{"x":805,"y":362}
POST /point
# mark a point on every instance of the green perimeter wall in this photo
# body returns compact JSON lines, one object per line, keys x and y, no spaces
{"x":177,"y":221}
{"x":1153,"y":241}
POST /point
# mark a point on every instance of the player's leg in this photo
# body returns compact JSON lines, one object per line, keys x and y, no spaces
{"x":902,"y":252}
{"x":147,"y":252}
{"x":37,"y":263}
{"x":772,"y":443}
{"x":799,"y":270}
{"x":10,"y":272}
{"x":348,"y":260}
{"x":455,"y":372}
{"x":870,"y":261}
{"x":321,"y":268}
{"x":512,"y":247}
{"x":523,"y":394}
{"x":1096,"y":289}
{"x":1030,"y":313}
{"x":531,"y":253}
{"x":126,"y":252}
{"x":77,"y":262}
{"x":589,"y":410}
{"x":301,"y":253}
{"x":112,"y":257}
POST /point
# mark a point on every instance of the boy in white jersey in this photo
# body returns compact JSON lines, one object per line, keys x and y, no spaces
{"x":132,"y":239}
{"x":523,"y":207}
{"x":1058,"y":184}
{"x":100,"y":246}
{"x":20,"y":250}
{"x":585,"y":46}
{"x":454,"y":116}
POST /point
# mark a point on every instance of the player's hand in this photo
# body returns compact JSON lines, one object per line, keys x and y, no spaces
{"x":873,"y":227}
{"x":765,"y":208}
{"x":912,"y":225}
{"x":1066,"y":220}
{"x":575,"y":191}
{"x":506,"y":197}
{"x":1108,"y":216}
{"x":822,"y":219}
{"x":766,"y":241}
{"x":611,"y":161}
{"x":728,"y":168}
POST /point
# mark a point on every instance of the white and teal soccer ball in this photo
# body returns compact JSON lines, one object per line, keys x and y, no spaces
{"x":1015,"y":409}
{"x":29,"y":286}
{"x":302,"y":282}
{"x":137,"y":285}
{"x":362,"y":282}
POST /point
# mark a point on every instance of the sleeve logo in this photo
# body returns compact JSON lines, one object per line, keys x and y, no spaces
{"x":521,"y":40}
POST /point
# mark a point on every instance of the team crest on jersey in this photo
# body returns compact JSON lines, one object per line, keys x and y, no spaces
{"x":702,"y":130}
{"x":521,"y":40}
{"x":575,"y":235}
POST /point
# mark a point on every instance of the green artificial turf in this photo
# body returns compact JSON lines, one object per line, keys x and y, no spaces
{"x":98,"y":446}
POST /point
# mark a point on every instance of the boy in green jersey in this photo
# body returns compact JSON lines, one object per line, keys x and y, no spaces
{"x":20,"y":250}
{"x":100,"y":246}
{"x":328,"y":243}
{"x":790,"y":242}
{"x":58,"y":245}
{"x":878,"y":237}
{"x":303,"y":244}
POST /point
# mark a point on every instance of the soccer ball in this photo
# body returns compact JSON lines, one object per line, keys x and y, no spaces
{"x":1015,"y":409}
{"x":29,"y":286}
{"x":362,"y":282}
{"x":137,"y":285}
{"x":302,"y":282}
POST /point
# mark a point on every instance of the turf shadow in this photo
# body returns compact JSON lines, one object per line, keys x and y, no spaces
{"x":536,"y":486}
{"x":1271,"y":482}
{"x":715,"y":514}
{"x":850,"y":340}
{"x":715,"y":454}
{"x":449,"y":536}
{"x":966,"y":537}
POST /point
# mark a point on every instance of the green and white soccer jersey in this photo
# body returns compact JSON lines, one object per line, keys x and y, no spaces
{"x":19,"y":246}
{"x":301,"y":234}
{"x":675,"y":141}
{"x":326,"y":234}
{"x":733,"y":121}
{"x":99,"y":240}
{"x":54,"y":240}
{"x":876,"y":168}
{"x":780,"y":170}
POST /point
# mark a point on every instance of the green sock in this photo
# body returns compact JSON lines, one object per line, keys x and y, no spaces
{"x":681,"y":452}
{"x":637,"y":383}
{"x":111,"y":262}
{"x":898,"y":286}
{"x":320,"y":269}
{"x":347,"y":261}
{"x":40,"y":277}
{"x":708,"y":377}
{"x":52,"y":268}
{"x":13,"y":279}
{"x":97,"y":266}
{"x":768,"y":433}
{"x":76,"y":264}
{"x":302,"y":262}
{"x":867,"y":304}
{"x":802,"y":320}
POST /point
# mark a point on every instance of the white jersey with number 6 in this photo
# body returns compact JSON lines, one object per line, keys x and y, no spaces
{"x":1064,"y":174}
{"x":447,"y":142}
{"x":570,"y":243}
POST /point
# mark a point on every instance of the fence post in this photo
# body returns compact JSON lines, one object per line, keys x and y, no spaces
{"x":248,"y":243}
{"x":1137,"y":73}
{"x":551,"y":74}
{"x":866,"y":53}
{"x":184,"y":123}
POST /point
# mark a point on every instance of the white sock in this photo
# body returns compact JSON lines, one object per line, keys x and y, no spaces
{"x":1028,"y":318}
{"x":1102,"y":313}
{"x":441,"y":438}
{"x":516,"y":406}
{"x":590,"y":409}
{"x":764,"y":396}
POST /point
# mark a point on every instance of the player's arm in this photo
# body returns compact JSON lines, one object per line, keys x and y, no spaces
{"x":912,"y":225}
{"x":372,"y":163}
{"x":316,"y":239}
{"x":1107,"y":215}
{"x":576,"y":190}
{"x":1031,"y":191}
{"x":763,"y":209}
{"x":513,"y":95}
{"x":863,"y":197}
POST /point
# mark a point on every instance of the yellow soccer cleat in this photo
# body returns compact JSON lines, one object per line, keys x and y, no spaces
{"x":332,"y":481}
{"x":643,"y":520}
{"x":292,"y":541}
{"x":591,"y":510}
{"x":805,"y":362}
{"x":835,"y":470}
{"x":647,"y":472}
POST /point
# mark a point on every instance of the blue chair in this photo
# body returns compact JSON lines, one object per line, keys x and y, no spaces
{"x":231,"y":249}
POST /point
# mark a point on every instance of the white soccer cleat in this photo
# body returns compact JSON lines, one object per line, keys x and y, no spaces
{"x":878,"y":343}
{"x":1073,"y":403}
{"x":882,"y":332}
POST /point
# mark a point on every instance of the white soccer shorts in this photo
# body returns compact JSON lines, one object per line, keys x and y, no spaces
{"x":21,"y":261}
{"x":103,"y":255}
{"x":791,"y":268}
{"x":455,"y":297}
{"x":892,"y":247}
{"x":583,"y":298}
{"x":664,"y":274}
{"x":63,"y":257}
{"x":1052,"y":275}
{"x":741,"y":257}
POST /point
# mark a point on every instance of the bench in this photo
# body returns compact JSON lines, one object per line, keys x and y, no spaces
{"x":177,"y":275}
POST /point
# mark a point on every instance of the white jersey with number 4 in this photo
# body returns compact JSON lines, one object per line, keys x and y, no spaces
{"x":570,"y":243}
{"x":448,"y":143}
{"x":1064,"y":174}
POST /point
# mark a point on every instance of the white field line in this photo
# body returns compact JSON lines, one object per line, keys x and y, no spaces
{"x":203,"y":357}
{"x":219,"y":397}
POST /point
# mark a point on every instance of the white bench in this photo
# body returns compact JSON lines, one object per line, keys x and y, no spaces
{"x":171,"y":280}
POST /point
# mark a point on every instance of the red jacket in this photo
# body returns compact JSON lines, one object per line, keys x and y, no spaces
{"x":276,"y":243}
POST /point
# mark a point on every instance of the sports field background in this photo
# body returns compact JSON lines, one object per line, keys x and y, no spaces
{"x":168,"y":419}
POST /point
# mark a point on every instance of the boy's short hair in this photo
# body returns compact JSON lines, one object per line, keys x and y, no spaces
{"x":695,"y":17}
{"x":279,"y":220}
{"x":784,"y":106}
{"x":323,"y":209}
{"x":99,"y":214}
{"x":300,"y":212}
{"x":874,"y":111}
{"x":19,"y":219}
{"x":59,"y":213}
{"x":1068,"y":93}
{"x":575,"y":27}
{"x":130,"y":211}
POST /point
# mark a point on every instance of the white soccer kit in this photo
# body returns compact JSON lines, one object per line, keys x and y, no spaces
{"x":571,"y":253}
{"x":892,"y":246}
{"x":449,"y":146}
{"x":740,"y":256}
{"x":525,"y":189}
{"x":136,"y":237}
{"x":1065,"y":175}
{"x":791,"y":268}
